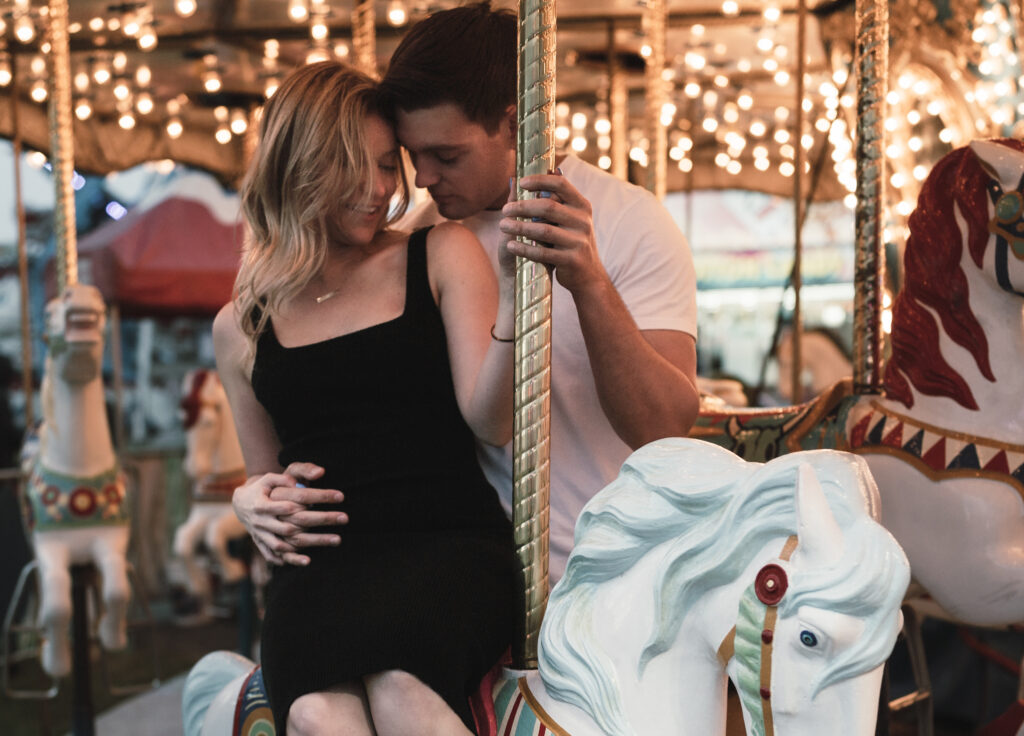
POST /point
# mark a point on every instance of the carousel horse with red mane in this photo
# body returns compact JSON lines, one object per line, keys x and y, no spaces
{"x":945,"y":441}
{"x":74,"y":503}
{"x":213,"y":460}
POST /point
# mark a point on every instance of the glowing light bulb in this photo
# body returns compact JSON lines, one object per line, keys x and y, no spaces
{"x":147,"y":39}
{"x":175,"y":128}
{"x":83,"y":110}
{"x":38,"y":91}
{"x":397,"y":14}
{"x":185,"y":8}
{"x":297,"y":11}
{"x":211,"y":82}
{"x":24,"y":30}
{"x":239,"y":124}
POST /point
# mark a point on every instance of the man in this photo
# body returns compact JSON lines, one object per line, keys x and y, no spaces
{"x":624,"y":310}
{"x":624,"y":292}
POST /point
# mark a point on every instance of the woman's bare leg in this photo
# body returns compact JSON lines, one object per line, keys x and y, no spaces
{"x":402,"y":705}
{"x":338,"y":711}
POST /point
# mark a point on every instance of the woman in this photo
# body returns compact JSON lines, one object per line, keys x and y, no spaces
{"x":335,"y":356}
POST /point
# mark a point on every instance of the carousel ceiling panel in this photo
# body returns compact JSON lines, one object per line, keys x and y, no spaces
{"x":717,"y":63}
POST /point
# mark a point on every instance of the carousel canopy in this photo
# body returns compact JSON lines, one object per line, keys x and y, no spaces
{"x":176,"y":252}
{"x":208,"y":69}
{"x":177,"y":79}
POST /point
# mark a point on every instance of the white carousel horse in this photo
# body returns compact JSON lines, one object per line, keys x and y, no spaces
{"x":74,"y":503}
{"x":213,"y":460}
{"x":693,"y":565}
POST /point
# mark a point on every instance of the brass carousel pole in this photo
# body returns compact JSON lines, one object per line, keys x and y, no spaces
{"x":364,"y":37}
{"x":535,"y":154}
{"x":872,"y":64}
{"x":63,"y":161}
{"x":62,"y":156}
{"x":657,"y":162}
{"x":19,"y":204}
{"x":798,"y":204}
{"x":618,"y":115}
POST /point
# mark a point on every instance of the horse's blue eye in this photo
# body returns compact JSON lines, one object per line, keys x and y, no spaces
{"x":808,"y":639}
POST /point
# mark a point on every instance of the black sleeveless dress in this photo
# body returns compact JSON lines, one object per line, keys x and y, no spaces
{"x":426,"y":578}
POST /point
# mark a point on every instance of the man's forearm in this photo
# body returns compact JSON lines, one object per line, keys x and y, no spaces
{"x":646,"y":394}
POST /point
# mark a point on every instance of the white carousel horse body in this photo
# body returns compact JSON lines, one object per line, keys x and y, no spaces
{"x":75,"y":497}
{"x":214,"y":461}
{"x":964,"y":531}
{"x":667,"y":561}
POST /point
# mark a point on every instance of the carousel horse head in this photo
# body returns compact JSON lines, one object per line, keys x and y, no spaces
{"x":211,"y":440}
{"x":964,"y":256}
{"x":74,"y":333}
{"x":694,"y":562}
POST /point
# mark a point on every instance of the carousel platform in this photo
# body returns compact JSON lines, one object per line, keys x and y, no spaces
{"x":153,"y":711}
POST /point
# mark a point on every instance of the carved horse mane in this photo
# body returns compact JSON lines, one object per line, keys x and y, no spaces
{"x":716,"y":517}
{"x":935,"y":282}
{"x":192,"y":402}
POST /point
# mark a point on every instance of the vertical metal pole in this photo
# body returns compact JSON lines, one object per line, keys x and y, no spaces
{"x":872,"y":63}
{"x":657,"y":135}
{"x":798,"y":204}
{"x":117,"y":359}
{"x":62,"y":155}
{"x":82,"y":710}
{"x":364,"y":37}
{"x":19,"y":204}
{"x":535,"y":154}
{"x":618,"y":115}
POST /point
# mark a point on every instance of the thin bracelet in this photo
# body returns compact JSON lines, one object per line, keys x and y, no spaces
{"x":500,"y":339}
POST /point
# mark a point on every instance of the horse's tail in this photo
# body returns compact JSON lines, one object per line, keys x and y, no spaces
{"x":211,"y":689}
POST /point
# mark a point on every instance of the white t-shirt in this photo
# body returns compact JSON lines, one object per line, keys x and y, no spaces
{"x":649,"y":263}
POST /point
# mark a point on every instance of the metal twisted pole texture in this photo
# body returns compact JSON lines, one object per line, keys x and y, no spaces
{"x":364,"y":37}
{"x":654,"y":18}
{"x":872,"y":64}
{"x":62,"y":156}
{"x":535,"y":154}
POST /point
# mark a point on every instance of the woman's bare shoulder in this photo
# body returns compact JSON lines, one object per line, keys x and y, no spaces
{"x":229,"y":342}
{"x":452,"y":241}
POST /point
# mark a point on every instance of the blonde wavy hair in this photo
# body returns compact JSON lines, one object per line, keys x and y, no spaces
{"x":312,"y":158}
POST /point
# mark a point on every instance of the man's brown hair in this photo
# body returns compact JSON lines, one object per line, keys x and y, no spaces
{"x":465,"y":56}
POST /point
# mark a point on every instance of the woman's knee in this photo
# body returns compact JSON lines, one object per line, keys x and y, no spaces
{"x":329,"y":713}
{"x":396,"y":685}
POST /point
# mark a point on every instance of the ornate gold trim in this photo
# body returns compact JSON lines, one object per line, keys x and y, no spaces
{"x":940,"y":475}
{"x":542,"y":715}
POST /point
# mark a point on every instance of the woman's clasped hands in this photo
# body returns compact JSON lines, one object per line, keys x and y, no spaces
{"x":275,"y":508}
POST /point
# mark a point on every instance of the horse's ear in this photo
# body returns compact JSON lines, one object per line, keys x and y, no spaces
{"x":1002,"y":163}
{"x":820,"y":540}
